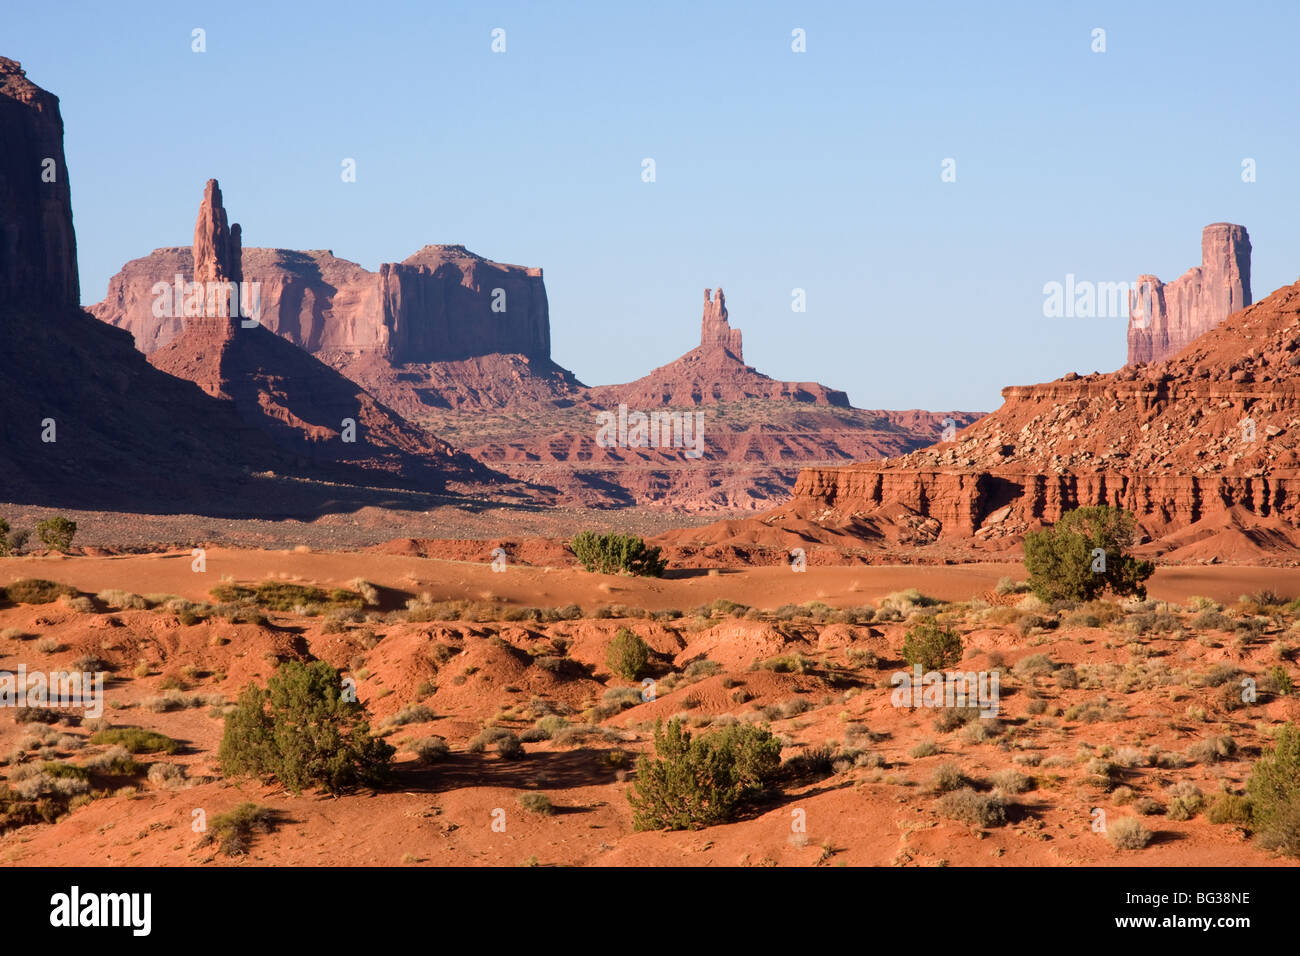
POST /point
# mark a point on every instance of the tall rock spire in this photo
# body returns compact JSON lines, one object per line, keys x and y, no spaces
{"x":217,"y":246}
{"x":1164,"y":319}
{"x":218,"y":258}
{"x":715,"y":331}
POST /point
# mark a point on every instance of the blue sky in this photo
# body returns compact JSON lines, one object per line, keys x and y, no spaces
{"x":774,"y":170}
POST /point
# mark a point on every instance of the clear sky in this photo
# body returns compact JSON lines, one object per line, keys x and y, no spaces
{"x":775,"y":170}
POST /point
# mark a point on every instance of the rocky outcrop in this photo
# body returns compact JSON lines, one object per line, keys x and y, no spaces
{"x":304,"y":406}
{"x":712,"y":373}
{"x":38,"y":249}
{"x":445,"y":304}
{"x":448,"y":332}
{"x":216,"y":251}
{"x":1204,"y":443}
{"x":442,"y":304}
{"x":1164,"y":319}
{"x":740,"y":459}
{"x":715,"y":331}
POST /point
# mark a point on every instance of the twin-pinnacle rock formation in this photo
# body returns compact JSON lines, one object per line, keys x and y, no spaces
{"x":1165,"y":319}
{"x":303,"y":405}
{"x":715,"y":331}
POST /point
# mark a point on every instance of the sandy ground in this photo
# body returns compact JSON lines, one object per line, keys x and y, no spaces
{"x":769,"y":587}
{"x":465,"y":809}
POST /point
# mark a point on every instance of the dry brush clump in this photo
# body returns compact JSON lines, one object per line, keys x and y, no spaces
{"x":235,"y":830}
{"x":429,"y":750}
{"x":538,"y":803}
{"x":35,"y":591}
{"x":1128,"y":833}
{"x":967,"y":805}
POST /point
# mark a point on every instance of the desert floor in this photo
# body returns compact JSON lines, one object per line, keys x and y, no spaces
{"x":1122,"y":708}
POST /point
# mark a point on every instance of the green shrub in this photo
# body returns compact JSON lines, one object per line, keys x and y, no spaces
{"x":536,"y":802}
{"x":234,"y":829}
{"x":617,"y":553}
{"x":694,"y":782}
{"x":137,"y":740}
{"x":932,"y":645}
{"x":56,"y":533}
{"x":1059,"y":559}
{"x":1274,"y":793}
{"x":1277,"y":681}
{"x":286,"y":596}
{"x":627,"y":655}
{"x":15,"y":541}
{"x":1229,"y":808}
{"x":301,"y":732}
{"x":36,"y":591}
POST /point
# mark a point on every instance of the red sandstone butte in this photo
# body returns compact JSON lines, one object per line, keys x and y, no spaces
{"x":444,"y":303}
{"x":303,"y":405}
{"x":751,"y":451}
{"x":1204,"y":448}
{"x":1195,"y":302}
{"x":713,"y":372}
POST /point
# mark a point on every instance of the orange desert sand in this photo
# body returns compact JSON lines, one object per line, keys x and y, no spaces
{"x":1143,"y":700}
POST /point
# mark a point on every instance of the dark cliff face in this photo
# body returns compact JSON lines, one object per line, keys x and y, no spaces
{"x":38,"y":249}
